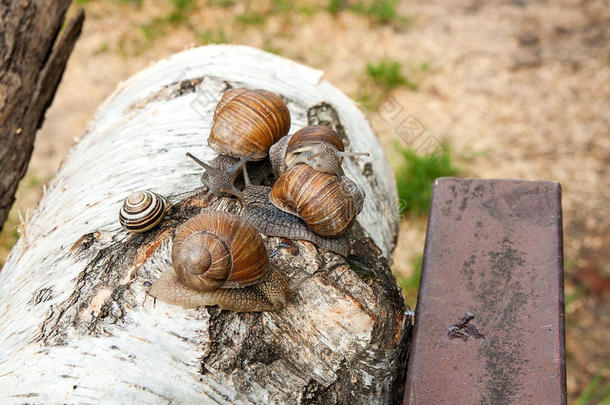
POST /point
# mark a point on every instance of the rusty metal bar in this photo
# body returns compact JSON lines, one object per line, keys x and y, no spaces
{"x":489,"y":323}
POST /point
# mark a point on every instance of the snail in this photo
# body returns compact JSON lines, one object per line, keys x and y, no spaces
{"x":245,"y":125}
{"x":271,"y":221}
{"x":142,"y":211}
{"x":248,"y":122}
{"x":316,"y":145}
{"x":327,"y":203}
{"x":220,"y":174}
{"x":218,"y":258}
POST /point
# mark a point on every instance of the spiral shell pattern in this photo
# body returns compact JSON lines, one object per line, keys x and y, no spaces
{"x":327,"y":203}
{"x":142,"y":211}
{"x":219,"y":250}
{"x":314,"y":145}
{"x":248,"y":122}
{"x":314,"y":134}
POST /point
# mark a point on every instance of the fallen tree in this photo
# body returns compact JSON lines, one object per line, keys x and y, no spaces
{"x":78,"y":322}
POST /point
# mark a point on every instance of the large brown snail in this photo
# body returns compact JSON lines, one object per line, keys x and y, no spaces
{"x":245,"y":125}
{"x":219,"y":258}
{"x":271,"y":221}
{"x":142,"y":211}
{"x":327,"y":203}
{"x":318,"y":146}
{"x":248,"y":122}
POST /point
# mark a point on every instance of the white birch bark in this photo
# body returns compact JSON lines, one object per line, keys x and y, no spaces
{"x":77,"y":323}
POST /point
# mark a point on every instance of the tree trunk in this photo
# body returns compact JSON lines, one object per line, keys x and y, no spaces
{"x":30,"y":71}
{"x":78,"y":324}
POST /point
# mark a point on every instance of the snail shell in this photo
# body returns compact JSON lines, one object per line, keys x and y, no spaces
{"x":313,"y":135}
{"x":327,"y":203}
{"x":248,"y":122}
{"x":218,"y":250}
{"x":142,"y":211}
{"x":316,"y":145}
{"x":220,"y":259}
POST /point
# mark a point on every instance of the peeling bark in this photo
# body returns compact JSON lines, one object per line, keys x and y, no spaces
{"x":74,"y":300}
{"x":30,"y":71}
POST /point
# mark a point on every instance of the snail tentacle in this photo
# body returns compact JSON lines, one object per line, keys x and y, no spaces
{"x":220,"y":178}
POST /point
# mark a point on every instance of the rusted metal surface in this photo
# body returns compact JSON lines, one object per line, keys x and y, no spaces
{"x":489,"y":324}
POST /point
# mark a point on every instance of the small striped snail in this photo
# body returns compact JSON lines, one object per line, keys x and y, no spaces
{"x":218,"y":258}
{"x":315,"y":145}
{"x":142,"y":211}
{"x":245,"y":125}
{"x":327,"y":203}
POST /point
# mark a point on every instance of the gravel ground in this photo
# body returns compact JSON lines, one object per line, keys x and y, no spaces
{"x":519,"y":89}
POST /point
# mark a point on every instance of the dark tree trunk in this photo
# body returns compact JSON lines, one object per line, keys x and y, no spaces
{"x":30,"y":70}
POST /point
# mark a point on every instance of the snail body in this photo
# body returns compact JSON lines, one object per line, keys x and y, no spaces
{"x":327,"y":203}
{"x":318,"y":146}
{"x":142,"y":211}
{"x":223,"y":172}
{"x":220,"y":174}
{"x":248,"y":122}
{"x":218,"y":258}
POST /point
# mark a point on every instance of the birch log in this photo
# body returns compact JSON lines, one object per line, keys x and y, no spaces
{"x":77,"y":323}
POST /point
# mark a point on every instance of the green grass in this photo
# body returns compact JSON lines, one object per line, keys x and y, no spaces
{"x":410,"y":284}
{"x":136,"y":2}
{"x":180,"y":11}
{"x":251,"y":18}
{"x":383,"y":77}
{"x":221,"y":3}
{"x":383,"y":11}
{"x":281,"y":6}
{"x":335,"y":6}
{"x":370,"y":99}
{"x":269,"y":47}
{"x":102,"y":48}
{"x":597,"y":392}
{"x":29,"y":188}
{"x":424,"y":67}
{"x":214,"y":37}
{"x":388,"y":74}
{"x":575,"y":295}
{"x":153,"y":30}
{"x":178,"y":15}
{"x":415,"y":176}
{"x":284,"y":8}
{"x":307,"y":11}
{"x":9,"y":235}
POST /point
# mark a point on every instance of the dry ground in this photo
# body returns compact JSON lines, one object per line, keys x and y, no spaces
{"x":519,"y":89}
